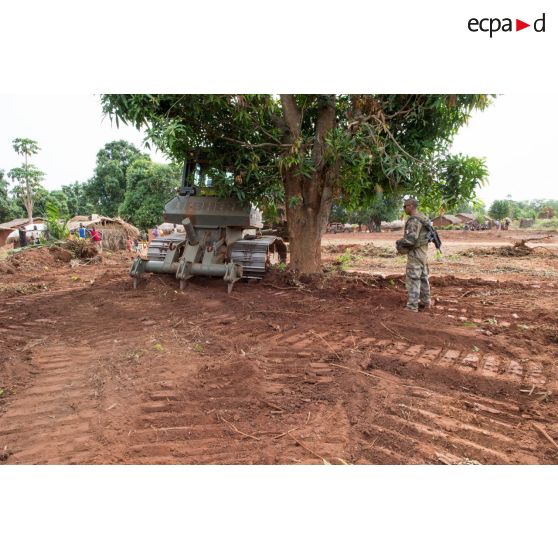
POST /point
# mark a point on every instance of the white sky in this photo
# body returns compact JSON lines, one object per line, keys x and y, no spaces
{"x":515,"y":135}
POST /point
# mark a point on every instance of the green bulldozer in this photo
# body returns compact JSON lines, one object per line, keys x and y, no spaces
{"x":221,"y":238}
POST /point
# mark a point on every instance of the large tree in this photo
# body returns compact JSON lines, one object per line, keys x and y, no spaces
{"x":27,"y":177}
{"x":310,"y":149}
{"x":500,"y":209}
{"x":105,"y":191}
{"x":149,"y":187}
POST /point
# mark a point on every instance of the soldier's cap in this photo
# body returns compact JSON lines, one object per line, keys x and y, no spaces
{"x":411,"y":201}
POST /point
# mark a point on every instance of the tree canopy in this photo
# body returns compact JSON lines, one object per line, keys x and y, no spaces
{"x":27,"y":177}
{"x":499,"y":209}
{"x":308,"y":150}
{"x":148,"y":187}
{"x":107,"y":188}
{"x":8,"y":207}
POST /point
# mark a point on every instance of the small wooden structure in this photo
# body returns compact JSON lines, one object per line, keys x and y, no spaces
{"x":7,"y":228}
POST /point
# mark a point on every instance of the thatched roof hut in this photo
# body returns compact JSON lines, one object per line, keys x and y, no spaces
{"x":115,"y":231}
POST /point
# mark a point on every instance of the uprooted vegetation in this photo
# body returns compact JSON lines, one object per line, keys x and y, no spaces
{"x":518,"y":250}
{"x":41,"y":258}
{"x":80,"y":248}
{"x":369,"y":250}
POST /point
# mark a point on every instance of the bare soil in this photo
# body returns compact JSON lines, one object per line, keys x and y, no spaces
{"x":327,"y":369}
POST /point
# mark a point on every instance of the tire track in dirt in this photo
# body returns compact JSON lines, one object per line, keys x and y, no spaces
{"x":50,"y":421}
{"x":456,"y":428}
{"x":258,"y":392}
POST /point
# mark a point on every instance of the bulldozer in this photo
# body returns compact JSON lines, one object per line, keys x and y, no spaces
{"x":221,"y":238}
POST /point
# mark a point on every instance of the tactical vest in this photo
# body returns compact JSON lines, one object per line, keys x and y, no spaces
{"x":422,"y":239}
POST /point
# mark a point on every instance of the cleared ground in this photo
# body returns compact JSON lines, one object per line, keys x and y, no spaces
{"x":328,"y":370}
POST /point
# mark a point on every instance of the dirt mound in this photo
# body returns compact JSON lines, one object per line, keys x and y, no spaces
{"x":5,"y":267}
{"x":31,"y":259}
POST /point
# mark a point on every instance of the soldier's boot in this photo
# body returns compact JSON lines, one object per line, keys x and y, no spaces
{"x":427,"y":305}
{"x":411,"y":308}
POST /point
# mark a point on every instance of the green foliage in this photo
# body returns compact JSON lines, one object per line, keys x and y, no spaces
{"x":546,"y":224}
{"x":149,"y":187}
{"x":60,"y":200}
{"x":8,"y":205}
{"x":76,"y":199}
{"x":25,"y":146}
{"x":106,"y":190}
{"x":40,"y":197}
{"x":27,"y":177}
{"x":371,"y":212}
{"x":344,"y":260}
{"x":399,"y":143}
{"x":500,"y":209}
{"x":57,"y":227}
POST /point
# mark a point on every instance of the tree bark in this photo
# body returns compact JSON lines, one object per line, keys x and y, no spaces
{"x":309,"y":199}
{"x":28,"y":199}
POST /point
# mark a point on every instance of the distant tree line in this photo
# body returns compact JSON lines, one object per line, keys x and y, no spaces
{"x":530,"y":209}
{"x":125,"y":183}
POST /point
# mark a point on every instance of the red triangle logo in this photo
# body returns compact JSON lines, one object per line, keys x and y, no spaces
{"x":519,"y":25}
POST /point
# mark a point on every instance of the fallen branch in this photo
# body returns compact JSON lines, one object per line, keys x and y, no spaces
{"x":320,"y":337}
{"x":236,"y":429}
{"x":395,"y":332}
{"x":542,"y":431}
{"x":324,"y":460}
{"x":278,"y":312}
{"x":525,"y":240}
{"x":292,"y":429}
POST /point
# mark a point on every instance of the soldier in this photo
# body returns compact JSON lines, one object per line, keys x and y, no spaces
{"x":415,"y":245}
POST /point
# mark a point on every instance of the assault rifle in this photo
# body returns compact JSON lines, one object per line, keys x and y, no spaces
{"x":432,"y":234}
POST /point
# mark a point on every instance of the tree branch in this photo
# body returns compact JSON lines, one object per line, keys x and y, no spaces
{"x":254,"y":145}
{"x":324,"y":123}
{"x":386,"y":130}
{"x":291,"y":114}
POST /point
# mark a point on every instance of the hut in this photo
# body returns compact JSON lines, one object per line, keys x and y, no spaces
{"x":115,"y":231}
{"x":6,"y":229}
{"x":446,"y":220}
{"x":392,"y":225}
{"x":465,"y":217}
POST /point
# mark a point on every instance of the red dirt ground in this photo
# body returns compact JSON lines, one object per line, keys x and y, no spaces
{"x":328,"y":370}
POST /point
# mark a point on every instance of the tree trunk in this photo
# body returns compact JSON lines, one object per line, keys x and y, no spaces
{"x":305,"y":226}
{"x":28,"y":198}
{"x":309,"y":199}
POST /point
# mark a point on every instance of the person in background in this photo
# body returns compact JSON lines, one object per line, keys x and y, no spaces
{"x":82,"y":231}
{"x":35,"y":235}
{"x":22,"y":236}
{"x":97,"y":239}
{"x":155,"y":232}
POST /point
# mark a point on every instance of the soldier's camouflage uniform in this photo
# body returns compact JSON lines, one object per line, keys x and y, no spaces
{"x":418,"y":287}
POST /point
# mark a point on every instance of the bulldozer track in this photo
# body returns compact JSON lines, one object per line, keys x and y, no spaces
{"x":150,"y":391}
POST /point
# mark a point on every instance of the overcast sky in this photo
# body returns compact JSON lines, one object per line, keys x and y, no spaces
{"x":515,"y":135}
